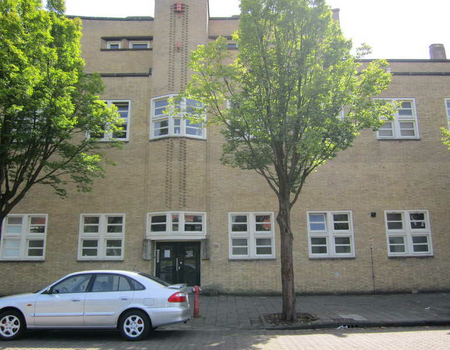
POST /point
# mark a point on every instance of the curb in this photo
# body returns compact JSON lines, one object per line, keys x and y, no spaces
{"x":347,"y":324}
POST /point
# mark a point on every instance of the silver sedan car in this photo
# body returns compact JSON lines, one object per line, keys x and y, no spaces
{"x":132,"y":302}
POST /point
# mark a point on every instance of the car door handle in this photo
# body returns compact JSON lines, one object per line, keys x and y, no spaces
{"x":124,"y":298}
{"x":76,"y":300}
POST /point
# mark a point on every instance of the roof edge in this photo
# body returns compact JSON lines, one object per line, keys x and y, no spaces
{"x":131,"y":18}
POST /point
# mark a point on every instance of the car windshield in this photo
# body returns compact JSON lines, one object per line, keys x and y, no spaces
{"x":155,"y":279}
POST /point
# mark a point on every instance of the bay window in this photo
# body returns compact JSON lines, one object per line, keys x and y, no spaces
{"x":166,"y":123}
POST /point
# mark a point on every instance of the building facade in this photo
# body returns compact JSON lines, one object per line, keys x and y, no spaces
{"x":374,"y":219}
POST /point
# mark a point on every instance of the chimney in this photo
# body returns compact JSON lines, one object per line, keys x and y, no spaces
{"x":437,"y":52}
{"x":335,"y":14}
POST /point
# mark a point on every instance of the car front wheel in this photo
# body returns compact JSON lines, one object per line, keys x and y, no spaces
{"x":12,"y":325}
{"x":134,"y":325}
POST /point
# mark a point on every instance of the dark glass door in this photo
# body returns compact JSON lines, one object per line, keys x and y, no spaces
{"x":178,"y":262}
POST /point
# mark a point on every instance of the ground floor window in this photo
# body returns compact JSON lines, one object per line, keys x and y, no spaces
{"x":24,"y":237}
{"x":251,"y":236}
{"x":101,"y":237}
{"x":330,"y":234}
{"x":176,"y":223}
{"x":408,"y":233}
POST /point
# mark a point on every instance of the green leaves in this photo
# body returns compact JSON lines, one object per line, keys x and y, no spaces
{"x":47,"y":104}
{"x":293,"y":76}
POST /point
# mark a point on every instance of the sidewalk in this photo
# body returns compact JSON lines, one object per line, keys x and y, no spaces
{"x":347,"y":311}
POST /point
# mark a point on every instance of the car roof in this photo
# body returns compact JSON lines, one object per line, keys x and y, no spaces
{"x":123,"y":272}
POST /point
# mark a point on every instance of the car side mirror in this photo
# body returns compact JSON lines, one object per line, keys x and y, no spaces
{"x":51,"y":291}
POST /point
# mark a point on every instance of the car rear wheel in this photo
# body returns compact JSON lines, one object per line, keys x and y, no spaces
{"x":12,"y":325}
{"x":134,"y":325}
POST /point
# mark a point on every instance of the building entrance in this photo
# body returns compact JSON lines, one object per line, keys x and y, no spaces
{"x":178,"y":262}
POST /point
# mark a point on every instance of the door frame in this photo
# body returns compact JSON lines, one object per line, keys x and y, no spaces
{"x":157,"y":243}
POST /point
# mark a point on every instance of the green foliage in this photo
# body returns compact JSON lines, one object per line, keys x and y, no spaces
{"x":292,"y":77}
{"x":446,"y":137}
{"x":47,"y":104}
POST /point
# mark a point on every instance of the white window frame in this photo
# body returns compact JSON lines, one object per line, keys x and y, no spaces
{"x":23,"y":237}
{"x":116,"y":42}
{"x":172,"y":119}
{"x":447,"y":109}
{"x":329,"y":233}
{"x":251,"y":235}
{"x":102,"y":236}
{"x":109,"y":136}
{"x":398,"y":120}
{"x":139,"y":42}
{"x":170,"y":231}
{"x":408,"y":233}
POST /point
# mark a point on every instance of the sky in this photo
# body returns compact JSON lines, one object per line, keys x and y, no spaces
{"x":393,"y":28}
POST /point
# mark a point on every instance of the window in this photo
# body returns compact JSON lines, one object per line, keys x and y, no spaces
{"x":176,"y":223}
{"x":101,"y":237}
{"x":24,"y":237}
{"x":447,"y":108}
{"x":72,"y":284}
{"x":113,"y":45}
{"x":404,"y":125}
{"x":408,"y":233}
{"x":330,"y":234}
{"x":123,"y":108}
{"x":170,"y":124}
{"x":110,"y":283}
{"x":251,"y":236}
{"x":139,"y":44}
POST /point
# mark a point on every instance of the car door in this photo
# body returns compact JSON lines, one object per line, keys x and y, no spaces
{"x":63,"y":304}
{"x":109,"y":296}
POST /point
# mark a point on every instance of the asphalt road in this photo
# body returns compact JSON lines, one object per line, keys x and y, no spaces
{"x":232,"y":339}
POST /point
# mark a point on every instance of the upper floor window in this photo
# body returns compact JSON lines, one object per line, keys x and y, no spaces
{"x":447,"y":108}
{"x":125,"y":43}
{"x":176,"y":223}
{"x":331,"y":234}
{"x":404,"y":125}
{"x":113,"y":45}
{"x":173,"y":124}
{"x":408,"y":233}
{"x":101,"y":237}
{"x":251,"y":236}
{"x":123,"y":107}
{"x":24,"y":237}
{"x":141,"y":44}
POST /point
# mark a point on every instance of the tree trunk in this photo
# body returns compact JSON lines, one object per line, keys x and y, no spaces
{"x":287,"y":264}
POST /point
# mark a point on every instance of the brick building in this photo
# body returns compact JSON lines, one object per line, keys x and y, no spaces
{"x":373,"y":219}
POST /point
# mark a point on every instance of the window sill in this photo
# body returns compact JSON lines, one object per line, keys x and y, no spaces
{"x":101,"y":260}
{"x":332,"y":257}
{"x":112,"y":140}
{"x":115,"y":50}
{"x":251,"y":259}
{"x":22,"y":260}
{"x":177,"y":137}
{"x":399,"y":139}
{"x":410,"y":256}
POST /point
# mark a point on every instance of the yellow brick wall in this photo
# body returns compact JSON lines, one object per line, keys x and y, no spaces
{"x":182,"y":174}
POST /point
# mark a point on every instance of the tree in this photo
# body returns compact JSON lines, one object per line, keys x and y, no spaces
{"x":446,"y":137}
{"x":47,"y":104}
{"x":293,"y":76}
